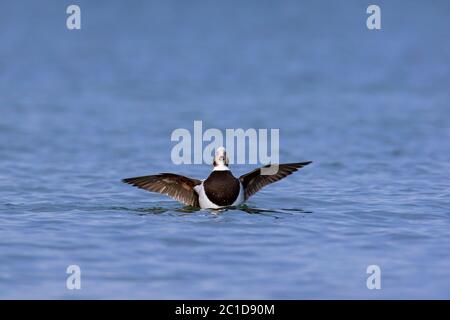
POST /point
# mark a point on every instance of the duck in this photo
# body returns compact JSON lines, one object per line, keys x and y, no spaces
{"x":220,"y":189}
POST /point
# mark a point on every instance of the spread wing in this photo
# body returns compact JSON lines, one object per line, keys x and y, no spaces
{"x":175,"y":186}
{"x":254,"y":181}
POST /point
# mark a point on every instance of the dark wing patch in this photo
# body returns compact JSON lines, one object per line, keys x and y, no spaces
{"x":254,"y":181}
{"x":178,"y":187}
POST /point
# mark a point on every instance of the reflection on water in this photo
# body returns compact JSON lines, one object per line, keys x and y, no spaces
{"x":244,"y":208}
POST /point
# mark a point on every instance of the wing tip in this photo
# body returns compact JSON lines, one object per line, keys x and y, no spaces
{"x":127,"y":180}
{"x":298,"y":165}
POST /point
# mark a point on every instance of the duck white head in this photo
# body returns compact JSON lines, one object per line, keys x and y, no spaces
{"x":221,"y":160}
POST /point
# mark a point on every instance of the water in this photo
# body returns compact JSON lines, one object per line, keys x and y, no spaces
{"x":82,"y":109}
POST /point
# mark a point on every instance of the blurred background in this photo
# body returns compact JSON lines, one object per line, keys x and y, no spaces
{"x":81,"y":109}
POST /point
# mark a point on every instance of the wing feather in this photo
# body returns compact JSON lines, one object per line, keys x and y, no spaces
{"x":255,"y":181}
{"x":178,"y":187}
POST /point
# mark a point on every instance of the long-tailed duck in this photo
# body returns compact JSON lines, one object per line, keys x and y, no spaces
{"x":220,"y":189}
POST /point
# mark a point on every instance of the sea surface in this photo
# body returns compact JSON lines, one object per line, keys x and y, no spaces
{"x":82,"y":109}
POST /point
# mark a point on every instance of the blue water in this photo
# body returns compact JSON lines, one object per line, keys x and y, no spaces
{"x":82,"y":109}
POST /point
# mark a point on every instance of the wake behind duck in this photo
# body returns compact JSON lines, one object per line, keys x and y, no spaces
{"x":221,"y":189}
